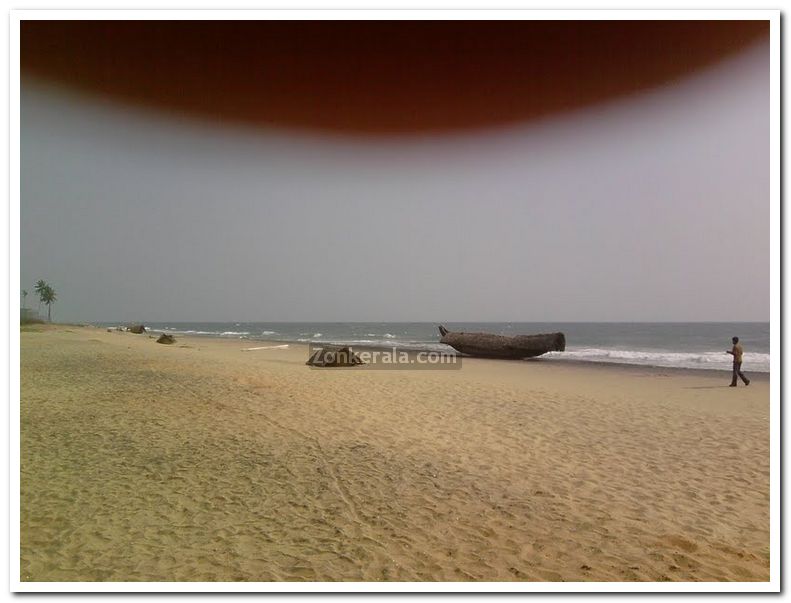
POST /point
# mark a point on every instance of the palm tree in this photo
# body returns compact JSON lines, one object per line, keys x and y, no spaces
{"x":24,"y":297}
{"x":39,"y":288}
{"x":48,"y":297}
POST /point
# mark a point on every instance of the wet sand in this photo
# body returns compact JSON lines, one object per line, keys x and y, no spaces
{"x":200,"y":462}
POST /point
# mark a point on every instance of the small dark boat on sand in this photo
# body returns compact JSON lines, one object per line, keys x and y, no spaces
{"x":488,"y":345}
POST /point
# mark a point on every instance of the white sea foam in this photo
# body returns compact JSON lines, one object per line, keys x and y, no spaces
{"x":196,"y":332}
{"x":753,"y":361}
{"x":266,"y":347}
{"x":389,"y":344}
{"x":191,"y":332}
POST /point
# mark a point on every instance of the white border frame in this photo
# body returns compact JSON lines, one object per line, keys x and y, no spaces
{"x":773,"y":585}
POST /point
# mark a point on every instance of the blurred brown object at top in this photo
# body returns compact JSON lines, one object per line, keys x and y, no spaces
{"x":374,"y":77}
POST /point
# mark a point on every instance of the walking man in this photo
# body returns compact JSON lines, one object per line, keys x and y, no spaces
{"x":737,"y":352}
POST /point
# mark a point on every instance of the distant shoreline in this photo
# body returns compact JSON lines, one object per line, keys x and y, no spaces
{"x":548,"y":361}
{"x":613,"y":366}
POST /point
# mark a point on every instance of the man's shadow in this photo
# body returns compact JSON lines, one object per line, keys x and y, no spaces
{"x":706,"y":387}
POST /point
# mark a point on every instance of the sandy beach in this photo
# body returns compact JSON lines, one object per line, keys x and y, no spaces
{"x":200,"y":462}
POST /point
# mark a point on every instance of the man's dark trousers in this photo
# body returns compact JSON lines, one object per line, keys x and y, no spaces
{"x":737,"y":372}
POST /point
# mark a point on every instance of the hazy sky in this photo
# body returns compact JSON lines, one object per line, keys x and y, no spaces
{"x":654,"y":207}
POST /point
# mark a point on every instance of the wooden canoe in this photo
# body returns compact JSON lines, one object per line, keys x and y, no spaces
{"x":488,"y":345}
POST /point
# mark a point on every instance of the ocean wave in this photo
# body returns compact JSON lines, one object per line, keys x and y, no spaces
{"x":753,"y":361}
{"x":197,"y":332}
{"x":188,"y":331}
{"x":385,"y":343}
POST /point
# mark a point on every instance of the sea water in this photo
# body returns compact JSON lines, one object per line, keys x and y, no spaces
{"x":693,"y":345}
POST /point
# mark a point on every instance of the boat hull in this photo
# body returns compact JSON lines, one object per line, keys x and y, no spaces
{"x":488,"y":345}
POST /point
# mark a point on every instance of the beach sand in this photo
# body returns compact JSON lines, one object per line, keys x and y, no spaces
{"x":197,"y":461}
